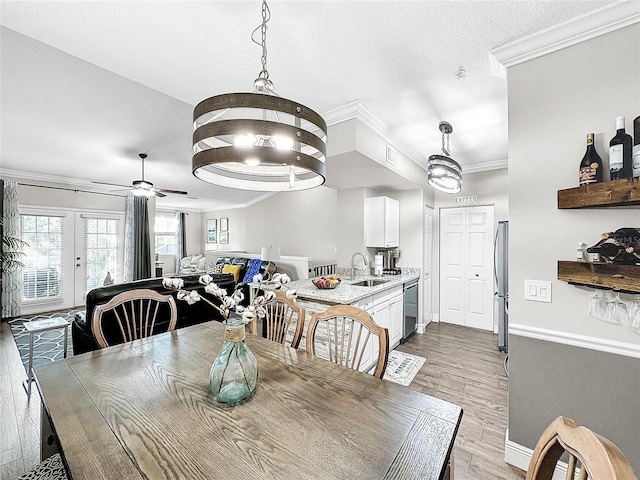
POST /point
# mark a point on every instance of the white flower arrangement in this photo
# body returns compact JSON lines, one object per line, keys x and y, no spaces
{"x":230,"y":302}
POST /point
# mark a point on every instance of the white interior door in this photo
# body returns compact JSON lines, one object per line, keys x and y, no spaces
{"x":427,"y":283}
{"x":466,"y":260}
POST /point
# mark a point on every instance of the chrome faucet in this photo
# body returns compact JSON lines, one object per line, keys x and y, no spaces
{"x":353,"y":263}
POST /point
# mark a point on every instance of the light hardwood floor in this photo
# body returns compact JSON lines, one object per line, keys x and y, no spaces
{"x":463,"y":366}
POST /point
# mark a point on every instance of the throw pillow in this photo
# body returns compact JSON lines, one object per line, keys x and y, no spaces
{"x":234,"y":269}
{"x":217,"y":268}
{"x":252,"y":270}
{"x":185,"y":262}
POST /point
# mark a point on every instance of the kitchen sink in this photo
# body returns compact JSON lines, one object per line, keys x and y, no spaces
{"x":369,"y":283}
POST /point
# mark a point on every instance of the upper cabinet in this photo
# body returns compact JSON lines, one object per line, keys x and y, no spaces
{"x":382,"y":222}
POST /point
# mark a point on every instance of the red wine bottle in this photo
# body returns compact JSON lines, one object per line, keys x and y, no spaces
{"x":607,"y":249}
{"x":591,"y":164}
{"x":620,"y":152}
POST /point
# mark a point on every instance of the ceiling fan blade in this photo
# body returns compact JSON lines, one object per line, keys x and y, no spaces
{"x":177,"y":192}
{"x":158,"y":193}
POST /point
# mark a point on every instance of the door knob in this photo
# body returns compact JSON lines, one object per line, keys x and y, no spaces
{"x":477,"y":275}
{"x":77,"y":264}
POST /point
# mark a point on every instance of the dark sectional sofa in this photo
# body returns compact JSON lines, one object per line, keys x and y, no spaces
{"x":82,"y":336}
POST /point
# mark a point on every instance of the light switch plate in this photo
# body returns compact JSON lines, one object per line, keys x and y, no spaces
{"x":537,"y":290}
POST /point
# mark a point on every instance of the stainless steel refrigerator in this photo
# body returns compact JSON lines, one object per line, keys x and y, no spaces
{"x":501,"y":273}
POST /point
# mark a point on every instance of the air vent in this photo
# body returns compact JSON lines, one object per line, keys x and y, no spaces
{"x":392,"y":156}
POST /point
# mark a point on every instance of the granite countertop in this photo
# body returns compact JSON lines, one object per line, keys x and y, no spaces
{"x":345,"y":293}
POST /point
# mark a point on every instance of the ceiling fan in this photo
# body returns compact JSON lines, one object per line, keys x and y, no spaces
{"x":145,"y":188}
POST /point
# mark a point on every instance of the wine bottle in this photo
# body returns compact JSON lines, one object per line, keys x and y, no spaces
{"x":635,"y":152}
{"x":620,"y":152}
{"x":624,"y":235}
{"x":607,"y":249}
{"x":591,"y":164}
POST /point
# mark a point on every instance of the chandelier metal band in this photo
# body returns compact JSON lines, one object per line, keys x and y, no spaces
{"x":444,"y":174}
{"x":263,"y":164}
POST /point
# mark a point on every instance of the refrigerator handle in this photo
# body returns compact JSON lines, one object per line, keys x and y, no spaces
{"x":495,"y":250}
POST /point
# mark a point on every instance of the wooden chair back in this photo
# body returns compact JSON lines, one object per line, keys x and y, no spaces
{"x":599,"y":459}
{"x":132,"y":315}
{"x":281,"y":312}
{"x":347,"y":332}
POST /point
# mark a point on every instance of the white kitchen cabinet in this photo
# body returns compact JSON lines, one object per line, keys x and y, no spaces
{"x":396,"y":319}
{"x":382,"y":222}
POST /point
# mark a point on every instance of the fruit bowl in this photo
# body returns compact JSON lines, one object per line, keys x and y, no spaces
{"x":326,"y":283}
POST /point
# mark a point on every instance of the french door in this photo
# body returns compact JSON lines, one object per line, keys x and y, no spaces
{"x":466,"y":266}
{"x":68,"y":254}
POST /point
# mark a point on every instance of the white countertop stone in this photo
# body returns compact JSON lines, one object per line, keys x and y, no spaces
{"x":345,"y":293}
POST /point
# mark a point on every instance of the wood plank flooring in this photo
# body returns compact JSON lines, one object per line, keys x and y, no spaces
{"x":463,"y":366}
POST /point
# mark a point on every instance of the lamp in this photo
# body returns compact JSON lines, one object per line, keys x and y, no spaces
{"x":443,"y":172}
{"x":259,"y":141}
{"x":270,"y":254}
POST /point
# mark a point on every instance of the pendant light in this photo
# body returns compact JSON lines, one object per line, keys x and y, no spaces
{"x":259,"y":141}
{"x":443,"y":172}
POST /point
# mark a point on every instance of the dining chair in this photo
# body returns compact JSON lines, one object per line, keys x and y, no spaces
{"x":599,"y":458}
{"x":347,"y":331}
{"x":281,"y":313}
{"x":131,"y":315}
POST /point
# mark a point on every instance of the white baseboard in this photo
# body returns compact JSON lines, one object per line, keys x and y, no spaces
{"x":421,"y":327}
{"x":435,"y":318}
{"x":519,"y":456}
{"x":495,"y":329}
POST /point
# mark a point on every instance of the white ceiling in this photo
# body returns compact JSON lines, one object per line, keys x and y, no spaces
{"x":123,"y":77}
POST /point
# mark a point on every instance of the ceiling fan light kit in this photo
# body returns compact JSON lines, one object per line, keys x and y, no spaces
{"x":443,"y":172}
{"x":259,"y":141}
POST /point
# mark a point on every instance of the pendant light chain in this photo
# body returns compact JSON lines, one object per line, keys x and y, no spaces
{"x":266,"y":16}
{"x":445,"y":150}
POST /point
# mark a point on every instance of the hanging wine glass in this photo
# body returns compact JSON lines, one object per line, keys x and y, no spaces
{"x":634,"y":308}
{"x":616,"y":312}
{"x":634,"y":320}
{"x":596,"y":306}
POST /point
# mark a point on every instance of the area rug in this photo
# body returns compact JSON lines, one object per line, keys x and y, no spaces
{"x":48,"y":345}
{"x":402,"y":367}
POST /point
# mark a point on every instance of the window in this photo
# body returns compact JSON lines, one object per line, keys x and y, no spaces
{"x":166,"y":228}
{"x":42,"y":273}
{"x":101,"y":236}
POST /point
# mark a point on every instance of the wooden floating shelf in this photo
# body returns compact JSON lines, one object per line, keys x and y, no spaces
{"x":625,"y":278}
{"x":616,"y":193}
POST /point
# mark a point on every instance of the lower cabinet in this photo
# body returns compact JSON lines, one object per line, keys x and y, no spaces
{"x":396,"y":317}
{"x":386,"y":309}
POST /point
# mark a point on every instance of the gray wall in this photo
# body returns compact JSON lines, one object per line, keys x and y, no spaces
{"x":301,"y":223}
{"x":554,"y":101}
{"x":596,"y":389}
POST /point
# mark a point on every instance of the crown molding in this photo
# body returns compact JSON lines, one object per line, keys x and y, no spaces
{"x":361,"y":112}
{"x":585,"y":27}
{"x":486,"y":166}
{"x":43,"y":177}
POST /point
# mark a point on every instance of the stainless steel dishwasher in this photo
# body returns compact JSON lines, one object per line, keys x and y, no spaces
{"x":410,"y":304}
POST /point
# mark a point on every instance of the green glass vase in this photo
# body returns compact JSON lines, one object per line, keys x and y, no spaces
{"x":234,"y":373}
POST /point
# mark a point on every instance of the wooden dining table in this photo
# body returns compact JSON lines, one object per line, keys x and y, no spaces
{"x":144,"y":410}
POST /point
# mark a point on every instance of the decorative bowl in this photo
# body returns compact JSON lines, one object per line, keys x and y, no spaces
{"x":326,"y":283}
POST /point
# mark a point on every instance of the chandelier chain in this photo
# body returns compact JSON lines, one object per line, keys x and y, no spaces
{"x":445,"y":149}
{"x":266,"y":16}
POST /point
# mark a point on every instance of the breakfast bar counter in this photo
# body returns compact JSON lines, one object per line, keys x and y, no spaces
{"x":346,"y":293}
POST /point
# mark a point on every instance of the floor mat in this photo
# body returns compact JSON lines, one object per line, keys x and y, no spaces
{"x":402,"y":367}
{"x":48,"y":345}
